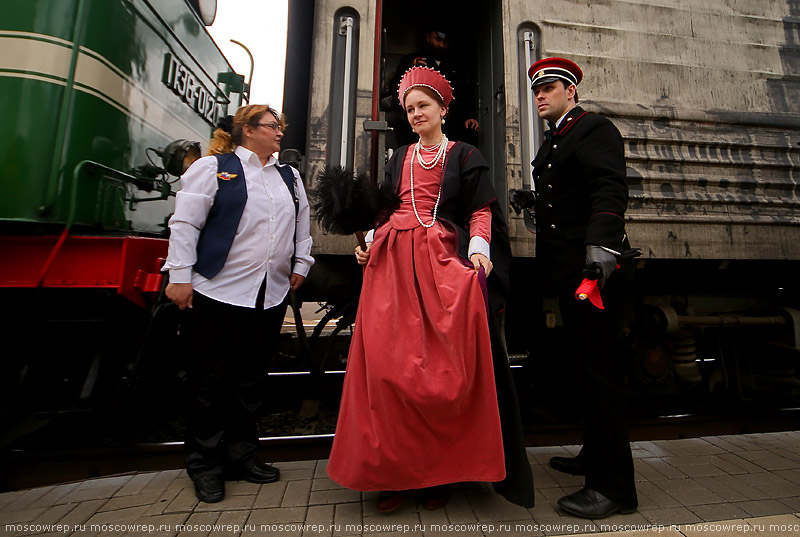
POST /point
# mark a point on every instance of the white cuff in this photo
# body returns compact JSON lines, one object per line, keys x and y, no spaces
{"x":609,"y":250}
{"x":181,"y":275}
{"x":478,"y":245}
{"x":370,"y":236}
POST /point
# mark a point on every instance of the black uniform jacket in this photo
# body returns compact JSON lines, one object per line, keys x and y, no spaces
{"x":579,"y":173}
{"x":467,"y":187}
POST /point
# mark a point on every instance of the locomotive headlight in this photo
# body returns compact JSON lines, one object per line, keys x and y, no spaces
{"x":178,"y":156}
{"x":207,"y":9}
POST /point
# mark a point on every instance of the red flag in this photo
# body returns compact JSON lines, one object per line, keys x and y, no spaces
{"x":589,"y":289}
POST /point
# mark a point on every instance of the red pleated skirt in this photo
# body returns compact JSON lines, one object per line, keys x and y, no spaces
{"x":419,"y":405}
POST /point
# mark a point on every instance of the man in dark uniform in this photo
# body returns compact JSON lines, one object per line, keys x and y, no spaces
{"x":580,"y":200}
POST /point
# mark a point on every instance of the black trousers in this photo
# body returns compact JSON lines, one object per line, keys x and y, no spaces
{"x":230,"y":348}
{"x":594,"y":340}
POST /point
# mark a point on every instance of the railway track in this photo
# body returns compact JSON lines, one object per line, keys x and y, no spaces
{"x":26,"y":468}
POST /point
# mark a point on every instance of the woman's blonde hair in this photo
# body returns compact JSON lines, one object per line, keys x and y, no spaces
{"x":229,"y":130}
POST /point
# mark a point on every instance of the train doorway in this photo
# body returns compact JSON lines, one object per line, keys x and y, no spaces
{"x":466,"y":46}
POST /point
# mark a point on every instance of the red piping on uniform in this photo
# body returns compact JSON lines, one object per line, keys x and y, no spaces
{"x":606,"y":212}
{"x":569,"y":125}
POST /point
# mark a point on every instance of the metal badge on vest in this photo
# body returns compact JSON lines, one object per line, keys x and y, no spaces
{"x":218,"y":233}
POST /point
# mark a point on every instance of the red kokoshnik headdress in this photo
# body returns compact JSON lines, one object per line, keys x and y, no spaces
{"x":428,"y":78}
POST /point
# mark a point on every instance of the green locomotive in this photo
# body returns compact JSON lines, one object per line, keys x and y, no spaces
{"x":105,"y":103}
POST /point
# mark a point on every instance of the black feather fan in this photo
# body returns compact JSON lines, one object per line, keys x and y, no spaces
{"x":345,"y":205}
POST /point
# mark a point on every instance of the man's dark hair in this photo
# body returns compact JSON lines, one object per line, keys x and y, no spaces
{"x":566,"y":86}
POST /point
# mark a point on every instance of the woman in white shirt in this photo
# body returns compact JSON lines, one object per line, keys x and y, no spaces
{"x":239,"y":241}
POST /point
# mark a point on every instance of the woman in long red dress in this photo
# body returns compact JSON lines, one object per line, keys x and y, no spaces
{"x":419,"y":408}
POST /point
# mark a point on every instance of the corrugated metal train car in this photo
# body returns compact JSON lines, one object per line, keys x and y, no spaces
{"x":705,"y":95}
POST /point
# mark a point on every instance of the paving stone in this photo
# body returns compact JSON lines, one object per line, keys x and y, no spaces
{"x":657,"y":450}
{"x":676,"y":486}
{"x":296,"y":493}
{"x":394,"y":523}
{"x":198,"y":525}
{"x":724,"y":528}
{"x":184,"y":501}
{"x":669,"y":471}
{"x":230,"y":519}
{"x":55,"y":496}
{"x":687,"y":460}
{"x":560,"y":525}
{"x":512,"y":528}
{"x":322,"y":516}
{"x":759,"y":508}
{"x":725,"y":487}
{"x":162,"y":480}
{"x":122,"y":502}
{"x":776,"y":526}
{"x":27,"y":498}
{"x":645,"y":471}
{"x":719,"y":511}
{"x":459,"y":510}
{"x":651,"y":496}
{"x":722,"y":442}
{"x":780,"y":490}
{"x":18,"y":517}
{"x":435,"y":517}
{"x":793,"y":503}
{"x":325,"y":483}
{"x":492,"y":507}
{"x":744,"y":465}
{"x":565,"y":480}
{"x":283,"y":515}
{"x":701,"y":496}
{"x":669,"y":515}
{"x":727,"y":466}
{"x":8,"y":497}
{"x":241,"y":488}
{"x":160,"y":505}
{"x":776,"y":462}
{"x":753,"y":455}
{"x":318,"y":497}
{"x":136,"y":483}
{"x":165,"y":525}
{"x":350,"y":515}
{"x":792,"y":476}
{"x":119,"y":515}
{"x":83,"y":495}
{"x":81,"y":512}
{"x":270,"y":495}
{"x":229,"y":503}
{"x":181,"y":482}
{"x":319,"y":470}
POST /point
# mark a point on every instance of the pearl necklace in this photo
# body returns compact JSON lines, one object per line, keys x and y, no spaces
{"x":440,"y":154}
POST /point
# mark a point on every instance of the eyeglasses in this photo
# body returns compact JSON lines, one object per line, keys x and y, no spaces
{"x":272,"y":125}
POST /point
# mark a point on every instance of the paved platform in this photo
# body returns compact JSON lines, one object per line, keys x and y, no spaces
{"x":717,"y":485}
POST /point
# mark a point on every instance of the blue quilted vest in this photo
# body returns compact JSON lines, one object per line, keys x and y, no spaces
{"x":222,"y":221}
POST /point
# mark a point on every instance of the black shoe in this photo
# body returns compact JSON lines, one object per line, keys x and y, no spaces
{"x":259,"y":472}
{"x":209,"y":488}
{"x":589,"y":503}
{"x":568,"y":465}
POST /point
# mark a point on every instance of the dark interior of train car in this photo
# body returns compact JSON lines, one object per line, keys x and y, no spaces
{"x":466,"y":46}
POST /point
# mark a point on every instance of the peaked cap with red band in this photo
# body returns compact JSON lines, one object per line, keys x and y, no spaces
{"x":552,"y":69}
{"x":428,"y":78}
